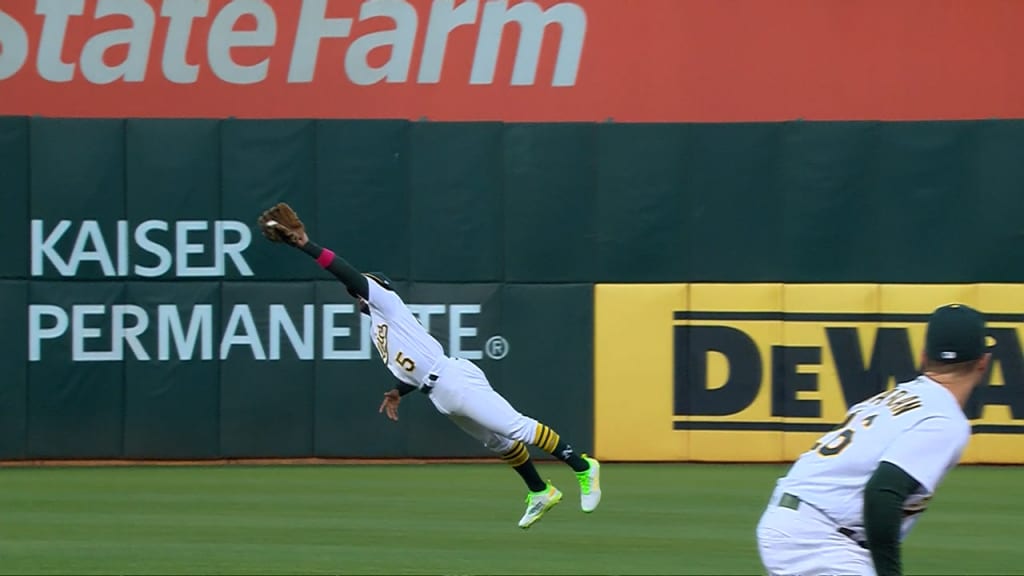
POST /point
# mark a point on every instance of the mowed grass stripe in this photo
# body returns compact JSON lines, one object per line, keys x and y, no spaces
{"x":430,"y":519}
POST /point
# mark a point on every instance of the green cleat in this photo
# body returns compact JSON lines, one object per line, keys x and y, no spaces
{"x":537,"y":503}
{"x":590,"y":485}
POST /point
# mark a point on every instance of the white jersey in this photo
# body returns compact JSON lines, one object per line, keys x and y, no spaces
{"x":405,"y":346}
{"x":918,"y":426}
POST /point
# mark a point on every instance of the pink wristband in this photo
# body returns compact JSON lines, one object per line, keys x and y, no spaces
{"x":325,"y":258}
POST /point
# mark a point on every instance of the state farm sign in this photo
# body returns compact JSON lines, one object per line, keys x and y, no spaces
{"x":238,"y":41}
{"x":513,"y":60}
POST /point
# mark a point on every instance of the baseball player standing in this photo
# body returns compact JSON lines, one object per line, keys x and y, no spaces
{"x":457,"y":388}
{"x":846,"y":505}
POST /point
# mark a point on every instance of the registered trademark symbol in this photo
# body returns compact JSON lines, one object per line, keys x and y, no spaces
{"x":496,"y":347}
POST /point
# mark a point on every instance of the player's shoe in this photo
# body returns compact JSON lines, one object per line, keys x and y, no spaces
{"x":590,"y":485}
{"x":537,"y":503}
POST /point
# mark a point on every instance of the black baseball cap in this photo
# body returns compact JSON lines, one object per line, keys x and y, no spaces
{"x":381,"y":279}
{"x":956,"y":333}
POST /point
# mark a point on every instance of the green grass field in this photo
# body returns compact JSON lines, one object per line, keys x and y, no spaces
{"x":445,"y":519}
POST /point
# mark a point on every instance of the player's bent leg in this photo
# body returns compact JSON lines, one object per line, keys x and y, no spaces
{"x":484,"y":406}
{"x":542,"y":496}
{"x":518,"y":457}
{"x":588,"y":470}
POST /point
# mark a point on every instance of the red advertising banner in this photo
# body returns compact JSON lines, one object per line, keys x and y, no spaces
{"x":514,"y":60}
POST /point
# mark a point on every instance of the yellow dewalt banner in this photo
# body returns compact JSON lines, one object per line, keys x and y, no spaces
{"x":757,"y":372}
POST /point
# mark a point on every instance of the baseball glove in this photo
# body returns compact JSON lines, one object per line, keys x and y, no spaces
{"x":281,"y":224}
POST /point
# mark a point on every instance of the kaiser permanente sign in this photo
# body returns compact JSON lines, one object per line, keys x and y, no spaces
{"x":99,"y":331}
{"x":513,"y":60}
{"x":757,"y":372}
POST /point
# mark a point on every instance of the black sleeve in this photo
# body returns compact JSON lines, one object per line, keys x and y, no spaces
{"x":404,"y":388}
{"x":884,"y":495}
{"x":342,"y":270}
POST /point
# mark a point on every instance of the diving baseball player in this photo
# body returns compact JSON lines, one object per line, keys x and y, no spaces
{"x":846,"y":505}
{"x":457,"y":388}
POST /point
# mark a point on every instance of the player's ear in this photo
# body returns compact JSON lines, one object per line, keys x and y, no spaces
{"x":983,"y":363}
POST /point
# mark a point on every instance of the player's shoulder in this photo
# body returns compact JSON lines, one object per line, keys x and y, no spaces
{"x":381,"y":294}
{"x":941,"y":411}
{"x":953,"y":426}
{"x":966,"y":429}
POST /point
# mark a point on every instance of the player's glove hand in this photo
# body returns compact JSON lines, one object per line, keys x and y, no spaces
{"x":282,"y":224}
{"x":390,"y":404}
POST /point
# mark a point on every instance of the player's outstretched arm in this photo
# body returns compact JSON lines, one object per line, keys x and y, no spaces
{"x":884,"y":495}
{"x":281,"y":224}
{"x":340,"y":268}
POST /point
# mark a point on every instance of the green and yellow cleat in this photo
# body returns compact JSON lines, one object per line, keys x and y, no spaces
{"x":590,"y":485}
{"x":537,"y":503}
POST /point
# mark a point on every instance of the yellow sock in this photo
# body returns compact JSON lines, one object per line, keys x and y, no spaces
{"x":517,"y":455}
{"x":545,"y":438}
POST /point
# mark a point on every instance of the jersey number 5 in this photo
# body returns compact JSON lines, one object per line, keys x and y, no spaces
{"x":405,"y":362}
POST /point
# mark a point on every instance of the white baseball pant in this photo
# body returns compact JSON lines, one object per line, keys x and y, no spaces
{"x":804,"y":542}
{"x":463,"y":393}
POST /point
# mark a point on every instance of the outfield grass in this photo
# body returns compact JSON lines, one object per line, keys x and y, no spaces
{"x":445,"y":519}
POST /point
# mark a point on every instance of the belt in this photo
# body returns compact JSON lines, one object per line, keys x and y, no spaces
{"x":852,"y":536}
{"x":792,"y":501}
{"x":428,"y":386}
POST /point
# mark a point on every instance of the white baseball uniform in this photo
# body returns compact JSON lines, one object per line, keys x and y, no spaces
{"x":457,"y":387}
{"x":918,"y":426}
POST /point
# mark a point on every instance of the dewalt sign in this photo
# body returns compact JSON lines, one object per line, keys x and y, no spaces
{"x":756,"y":372}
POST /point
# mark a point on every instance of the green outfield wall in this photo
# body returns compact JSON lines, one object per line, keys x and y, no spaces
{"x":144,"y":316}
